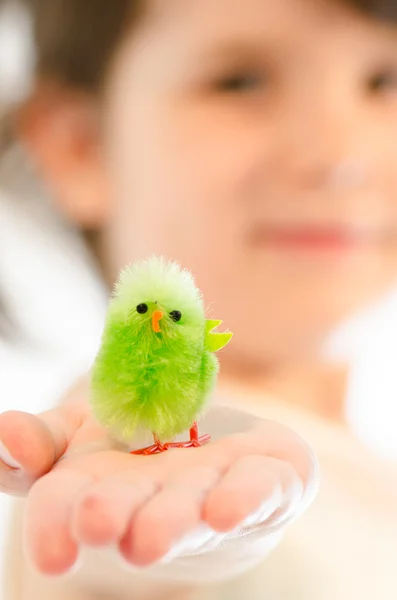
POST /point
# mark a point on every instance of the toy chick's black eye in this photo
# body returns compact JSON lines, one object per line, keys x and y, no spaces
{"x":176,"y":315}
{"x":142,"y":309}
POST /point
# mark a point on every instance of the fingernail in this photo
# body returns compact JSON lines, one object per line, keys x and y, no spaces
{"x":7,"y":459}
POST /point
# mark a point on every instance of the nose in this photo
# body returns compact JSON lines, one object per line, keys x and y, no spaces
{"x":325,"y":147}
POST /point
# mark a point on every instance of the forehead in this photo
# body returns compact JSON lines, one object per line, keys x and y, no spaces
{"x":184,"y":27}
{"x":249,"y":15}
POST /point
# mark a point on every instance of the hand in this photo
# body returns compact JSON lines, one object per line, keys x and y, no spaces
{"x":84,"y":491}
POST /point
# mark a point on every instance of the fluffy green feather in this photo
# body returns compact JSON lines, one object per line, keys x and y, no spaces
{"x":142,"y":378}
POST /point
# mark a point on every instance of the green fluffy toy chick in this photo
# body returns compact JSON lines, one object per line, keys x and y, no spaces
{"x":156,"y":367}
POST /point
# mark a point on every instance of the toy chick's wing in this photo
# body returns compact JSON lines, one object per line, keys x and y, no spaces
{"x":215,"y":341}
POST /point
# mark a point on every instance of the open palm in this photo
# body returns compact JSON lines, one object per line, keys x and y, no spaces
{"x":84,"y":491}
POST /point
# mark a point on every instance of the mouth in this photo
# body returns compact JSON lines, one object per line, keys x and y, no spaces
{"x":315,"y":238}
{"x":156,"y":318}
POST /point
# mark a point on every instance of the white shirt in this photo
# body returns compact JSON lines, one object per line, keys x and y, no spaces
{"x":55,"y":298}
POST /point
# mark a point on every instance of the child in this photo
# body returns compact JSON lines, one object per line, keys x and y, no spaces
{"x":254,"y":141}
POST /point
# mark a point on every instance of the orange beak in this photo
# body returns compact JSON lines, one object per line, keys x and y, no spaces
{"x":156,"y":318}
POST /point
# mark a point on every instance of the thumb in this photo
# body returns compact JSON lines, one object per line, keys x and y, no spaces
{"x":30,"y":445}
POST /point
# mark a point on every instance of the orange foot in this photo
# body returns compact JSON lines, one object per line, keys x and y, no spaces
{"x":204,"y":439}
{"x":194,"y":442}
{"x":157,"y":448}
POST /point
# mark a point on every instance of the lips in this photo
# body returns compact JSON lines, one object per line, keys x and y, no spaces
{"x":313,"y":238}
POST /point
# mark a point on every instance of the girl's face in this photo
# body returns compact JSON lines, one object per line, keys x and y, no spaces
{"x":255,"y":141}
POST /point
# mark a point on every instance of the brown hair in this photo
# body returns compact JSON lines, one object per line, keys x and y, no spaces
{"x":380,"y":9}
{"x":77,"y":38}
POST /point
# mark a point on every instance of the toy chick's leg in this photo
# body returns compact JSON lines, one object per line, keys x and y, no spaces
{"x":157,"y":448}
{"x":194,"y":442}
{"x":195,"y":439}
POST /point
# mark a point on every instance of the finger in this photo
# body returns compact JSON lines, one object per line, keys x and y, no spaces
{"x":267,"y":438}
{"x":249,"y":484}
{"x":290,"y":448}
{"x":30,"y":445}
{"x":102,"y":514}
{"x":48,"y":537}
{"x":292,"y":495}
{"x":167,"y":517}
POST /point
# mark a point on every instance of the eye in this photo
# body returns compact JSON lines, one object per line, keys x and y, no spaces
{"x":239,"y":82}
{"x":383,"y":81}
{"x":142,"y":309}
{"x":176,"y":315}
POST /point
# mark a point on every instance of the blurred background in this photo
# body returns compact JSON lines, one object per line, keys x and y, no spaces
{"x":51,"y":293}
{"x":46,"y":271}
